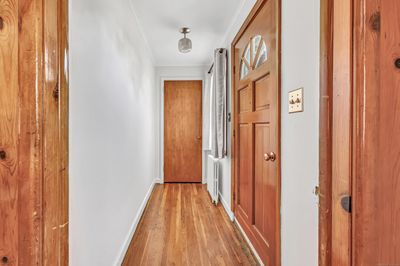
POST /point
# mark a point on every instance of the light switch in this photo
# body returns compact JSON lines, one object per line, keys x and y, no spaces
{"x":296,"y":101}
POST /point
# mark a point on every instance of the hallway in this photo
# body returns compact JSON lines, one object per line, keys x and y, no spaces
{"x":180,"y":226}
{"x":230,"y":132}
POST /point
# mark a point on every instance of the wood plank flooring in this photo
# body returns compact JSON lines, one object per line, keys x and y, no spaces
{"x":180,"y":226}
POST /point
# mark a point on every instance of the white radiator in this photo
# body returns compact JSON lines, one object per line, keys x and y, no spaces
{"x":213,"y":172}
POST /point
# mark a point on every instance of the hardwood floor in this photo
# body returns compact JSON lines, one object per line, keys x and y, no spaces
{"x":180,"y":226}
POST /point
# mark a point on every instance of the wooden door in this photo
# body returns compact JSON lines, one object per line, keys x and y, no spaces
{"x":256,"y":130}
{"x":365,"y":144}
{"x":33,"y":132}
{"x":182,"y":131}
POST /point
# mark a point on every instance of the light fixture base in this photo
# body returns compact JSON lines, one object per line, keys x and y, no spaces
{"x":184,"y":30}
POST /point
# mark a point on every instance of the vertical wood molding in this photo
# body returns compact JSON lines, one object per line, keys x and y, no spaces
{"x":31,"y":128}
{"x":325,"y":134}
{"x":64,"y":129}
{"x":9,"y":109}
{"x":34,"y":132}
{"x":342,"y":124}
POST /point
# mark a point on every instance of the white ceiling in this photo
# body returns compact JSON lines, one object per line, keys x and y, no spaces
{"x":209,"y":21}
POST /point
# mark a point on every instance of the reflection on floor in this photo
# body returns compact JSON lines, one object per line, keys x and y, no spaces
{"x":180,"y":226}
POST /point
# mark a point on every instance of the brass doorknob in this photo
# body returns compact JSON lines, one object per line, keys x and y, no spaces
{"x":270,"y":156}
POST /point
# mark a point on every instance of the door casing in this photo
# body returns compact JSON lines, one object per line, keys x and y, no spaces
{"x":350,"y":88}
{"x":34,"y":132}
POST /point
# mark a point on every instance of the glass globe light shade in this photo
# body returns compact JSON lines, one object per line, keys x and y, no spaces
{"x":185,"y":45}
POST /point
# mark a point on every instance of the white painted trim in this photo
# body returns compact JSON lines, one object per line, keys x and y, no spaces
{"x":226,"y":207}
{"x":134,"y":225}
{"x":166,"y":78}
{"x":249,"y":243}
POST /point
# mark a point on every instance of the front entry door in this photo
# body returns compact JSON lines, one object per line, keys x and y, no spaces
{"x":182,"y":131}
{"x":256,"y":130}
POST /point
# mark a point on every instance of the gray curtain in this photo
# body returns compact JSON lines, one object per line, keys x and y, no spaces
{"x":207,"y":112}
{"x":219,"y":103}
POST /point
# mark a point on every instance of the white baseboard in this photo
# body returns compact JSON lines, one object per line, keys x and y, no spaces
{"x":249,"y":243}
{"x":226,"y":207}
{"x":134,"y":225}
{"x":158,"y":181}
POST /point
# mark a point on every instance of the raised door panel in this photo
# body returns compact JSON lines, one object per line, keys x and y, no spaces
{"x":262,"y":93}
{"x":245,"y":201}
{"x":264,"y":226}
{"x":245,"y":100}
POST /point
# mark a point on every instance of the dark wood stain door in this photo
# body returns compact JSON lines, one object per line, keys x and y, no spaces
{"x":182,"y":131}
{"x":256,"y":130}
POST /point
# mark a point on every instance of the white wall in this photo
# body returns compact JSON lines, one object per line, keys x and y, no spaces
{"x":172,"y":73}
{"x":112,"y":129}
{"x":300,"y":68}
{"x":300,"y":138}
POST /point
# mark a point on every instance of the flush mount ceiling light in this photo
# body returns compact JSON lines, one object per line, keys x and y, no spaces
{"x":185,"y":44}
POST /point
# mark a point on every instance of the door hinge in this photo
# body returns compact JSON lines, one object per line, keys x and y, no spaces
{"x":233,"y":133}
{"x":345,"y":201}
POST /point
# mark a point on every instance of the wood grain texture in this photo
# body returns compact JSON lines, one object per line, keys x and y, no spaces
{"x":325,"y":135}
{"x":63,"y":109}
{"x":31,"y":37}
{"x":9,"y":108}
{"x":51,"y":147}
{"x":31,"y":128}
{"x":341,"y":130}
{"x":182,"y":131}
{"x":376,"y":182}
{"x":256,"y":102}
{"x":180,"y":226}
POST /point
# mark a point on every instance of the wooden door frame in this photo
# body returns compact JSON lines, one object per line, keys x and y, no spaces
{"x":337,"y":114}
{"x":254,"y":11}
{"x":325,"y":134}
{"x":34,"y":160}
{"x":161,"y":147}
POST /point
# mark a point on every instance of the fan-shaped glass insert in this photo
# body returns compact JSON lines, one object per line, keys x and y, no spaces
{"x":255,"y":42}
{"x":245,"y":62}
{"x":263,"y":56}
{"x":244,"y":70}
{"x":254,"y":55}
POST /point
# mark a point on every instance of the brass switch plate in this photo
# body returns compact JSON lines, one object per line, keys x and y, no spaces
{"x":296,"y":101}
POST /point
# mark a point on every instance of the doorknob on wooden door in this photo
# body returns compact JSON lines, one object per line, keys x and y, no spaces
{"x":270,"y":156}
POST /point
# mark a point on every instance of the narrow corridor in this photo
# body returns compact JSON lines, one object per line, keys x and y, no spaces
{"x":180,"y":226}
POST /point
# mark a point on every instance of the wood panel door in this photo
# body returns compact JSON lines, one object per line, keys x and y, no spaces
{"x":256,"y":129}
{"x":182,"y":131}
